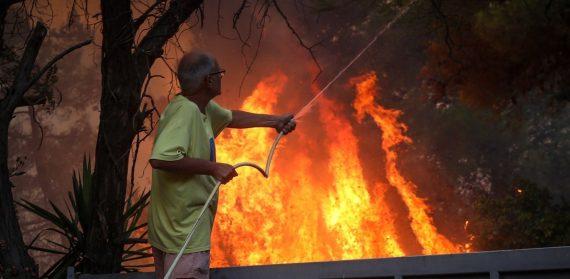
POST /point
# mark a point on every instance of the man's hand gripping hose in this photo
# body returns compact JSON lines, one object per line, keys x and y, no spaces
{"x":297,"y":115}
{"x":264,"y":172}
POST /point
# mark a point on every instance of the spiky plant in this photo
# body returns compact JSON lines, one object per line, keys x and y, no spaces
{"x":74,"y":225}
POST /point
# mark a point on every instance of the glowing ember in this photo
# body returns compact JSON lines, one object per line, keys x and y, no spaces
{"x":305,"y":212}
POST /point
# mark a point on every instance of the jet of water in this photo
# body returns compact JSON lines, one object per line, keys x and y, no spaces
{"x":304,"y":110}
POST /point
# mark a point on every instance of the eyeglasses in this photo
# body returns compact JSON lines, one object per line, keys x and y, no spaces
{"x":220,"y":73}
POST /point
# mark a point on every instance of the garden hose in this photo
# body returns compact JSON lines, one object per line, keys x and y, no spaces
{"x":264,"y":172}
{"x":298,"y":115}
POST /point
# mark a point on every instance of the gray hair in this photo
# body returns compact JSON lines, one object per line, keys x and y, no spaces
{"x":193,"y":68}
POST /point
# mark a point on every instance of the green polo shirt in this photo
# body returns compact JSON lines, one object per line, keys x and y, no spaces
{"x":176,"y":198}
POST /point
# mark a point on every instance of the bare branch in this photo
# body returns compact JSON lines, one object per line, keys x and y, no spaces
{"x":71,"y":18}
{"x":257,"y":18}
{"x":33,"y":116}
{"x":249,"y":65}
{"x":301,"y":42}
{"x":237,"y":14}
{"x":21,"y":80}
{"x":150,"y":48}
{"x":218,"y":22}
{"x":54,"y":60}
{"x":437,"y":6}
{"x":139,"y":21}
{"x":201,"y":15}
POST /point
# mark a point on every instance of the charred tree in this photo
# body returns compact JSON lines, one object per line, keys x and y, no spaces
{"x":15,"y":262}
{"x":14,"y":258}
{"x":125,"y":65}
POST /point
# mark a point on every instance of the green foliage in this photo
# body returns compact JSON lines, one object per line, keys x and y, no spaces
{"x":505,"y":51}
{"x":525,"y":216}
{"x":376,"y":12}
{"x":524,"y":29}
{"x":74,"y":225}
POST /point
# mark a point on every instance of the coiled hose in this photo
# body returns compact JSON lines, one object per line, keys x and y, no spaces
{"x":298,"y":115}
{"x":264,"y":172}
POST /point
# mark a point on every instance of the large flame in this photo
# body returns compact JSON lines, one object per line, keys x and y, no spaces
{"x":304,"y":212}
{"x":393,"y":134}
{"x":362,"y":228}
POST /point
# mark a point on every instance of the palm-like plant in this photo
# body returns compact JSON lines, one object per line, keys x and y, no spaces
{"x":73,"y":227}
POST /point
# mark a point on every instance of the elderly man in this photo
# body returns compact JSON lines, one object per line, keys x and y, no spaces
{"x":185,"y":168}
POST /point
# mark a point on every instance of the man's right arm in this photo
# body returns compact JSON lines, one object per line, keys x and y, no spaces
{"x":192,"y":166}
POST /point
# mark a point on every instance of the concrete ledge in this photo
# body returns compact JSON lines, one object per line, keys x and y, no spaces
{"x":525,"y":263}
{"x":539,"y":263}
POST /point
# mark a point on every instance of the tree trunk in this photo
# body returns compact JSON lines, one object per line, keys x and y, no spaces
{"x":14,"y":259}
{"x":124,"y":68}
{"x":119,"y":102}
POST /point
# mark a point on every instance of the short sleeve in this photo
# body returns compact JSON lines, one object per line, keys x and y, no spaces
{"x":220,"y":117}
{"x":173,"y":138}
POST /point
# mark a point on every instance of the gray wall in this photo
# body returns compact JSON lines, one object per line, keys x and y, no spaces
{"x":539,"y":263}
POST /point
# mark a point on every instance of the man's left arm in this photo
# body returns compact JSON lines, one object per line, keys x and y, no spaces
{"x":243,"y":119}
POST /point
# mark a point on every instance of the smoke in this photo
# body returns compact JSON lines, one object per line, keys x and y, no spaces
{"x":302,"y":212}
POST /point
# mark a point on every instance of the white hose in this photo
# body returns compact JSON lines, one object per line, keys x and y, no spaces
{"x":265,"y":173}
{"x":298,"y":115}
{"x":304,"y":110}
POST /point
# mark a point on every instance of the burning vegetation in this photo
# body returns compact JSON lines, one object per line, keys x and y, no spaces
{"x":450,"y":135}
{"x":319,"y":212}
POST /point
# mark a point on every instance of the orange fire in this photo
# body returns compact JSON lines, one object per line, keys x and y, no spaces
{"x":305,"y":212}
{"x":393,"y":134}
{"x":353,"y":216}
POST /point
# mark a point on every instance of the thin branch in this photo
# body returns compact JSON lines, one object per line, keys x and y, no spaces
{"x":448,"y":39}
{"x":218,"y":22}
{"x":238,"y":13}
{"x":20,"y":85}
{"x":70,"y":19}
{"x":33,"y":116}
{"x":55,"y":60}
{"x":139,"y":21}
{"x":301,"y":42}
{"x":150,"y":47}
{"x":201,"y":15}
{"x":249,"y":66}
